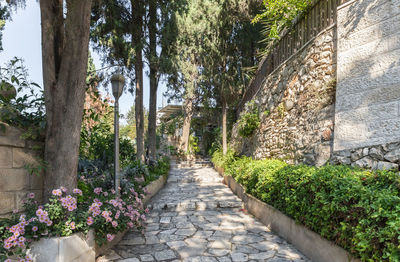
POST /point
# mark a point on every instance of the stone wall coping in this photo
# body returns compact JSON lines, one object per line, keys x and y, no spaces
{"x":311,"y":244}
{"x":12,"y":137}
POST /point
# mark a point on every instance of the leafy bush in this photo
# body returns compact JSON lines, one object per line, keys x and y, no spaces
{"x":249,"y":121}
{"x":355,"y":208}
{"x":220,"y":160}
{"x":279,"y":14}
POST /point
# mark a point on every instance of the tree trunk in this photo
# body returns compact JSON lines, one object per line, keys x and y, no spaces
{"x":65,"y":43}
{"x":188,"y":113}
{"x":152,"y":137}
{"x":224,"y":133}
{"x":137,"y":35}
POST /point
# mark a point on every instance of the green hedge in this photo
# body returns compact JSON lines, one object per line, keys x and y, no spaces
{"x":355,"y":208}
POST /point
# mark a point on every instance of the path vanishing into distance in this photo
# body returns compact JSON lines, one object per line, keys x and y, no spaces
{"x":195,"y":217}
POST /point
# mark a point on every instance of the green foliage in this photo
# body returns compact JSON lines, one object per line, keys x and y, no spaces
{"x":249,"y":121}
{"x":357,"y":209}
{"x":281,"y":110}
{"x":193,"y":147}
{"x":25,"y":110}
{"x":160,"y":168}
{"x":278,"y":15}
{"x":220,"y":160}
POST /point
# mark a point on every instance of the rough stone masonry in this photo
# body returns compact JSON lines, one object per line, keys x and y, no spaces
{"x":338,"y":98}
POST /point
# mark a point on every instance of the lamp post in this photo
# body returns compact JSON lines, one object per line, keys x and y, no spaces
{"x":117,"y":83}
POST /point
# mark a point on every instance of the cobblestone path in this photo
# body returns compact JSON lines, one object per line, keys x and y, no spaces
{"x":197,"y":218}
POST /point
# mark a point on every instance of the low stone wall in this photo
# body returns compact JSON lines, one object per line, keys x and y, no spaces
{"x":16,"y":155}
{"x":296,"y":106}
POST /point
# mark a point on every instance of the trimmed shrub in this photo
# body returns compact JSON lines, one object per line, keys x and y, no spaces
{"x":355,"y":208}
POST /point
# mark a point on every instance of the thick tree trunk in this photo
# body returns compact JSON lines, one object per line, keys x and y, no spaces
{"x":188,"y":114}
{"x":65,"y":43}
{"x":152,"y":137}
{"x":224,"y":130}
{"x":137,"y":35}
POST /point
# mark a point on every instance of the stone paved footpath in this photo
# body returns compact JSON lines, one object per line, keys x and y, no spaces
{"x":196,"y":218}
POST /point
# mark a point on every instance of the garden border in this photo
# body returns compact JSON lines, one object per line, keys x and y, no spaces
{"x":64,"y":249}
{"x":311,"y":244}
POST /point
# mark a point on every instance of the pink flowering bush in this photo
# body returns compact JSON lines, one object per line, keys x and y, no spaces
{"x":70,"y":212}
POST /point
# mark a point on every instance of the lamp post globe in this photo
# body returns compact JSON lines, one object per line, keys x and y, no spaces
{"x":117,"y":84}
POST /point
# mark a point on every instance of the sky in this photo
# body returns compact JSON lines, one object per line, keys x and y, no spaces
{"x":22,"y":38}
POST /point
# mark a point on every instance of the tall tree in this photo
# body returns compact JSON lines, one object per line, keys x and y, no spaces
{"x":233,"y":49}
{"x":215,"y":43}
{"x":118,"y":33}
{"x":65,"y":43}
{"x":185,"y":55}
{"x":138,"y":10}
{"x":152,"y":26}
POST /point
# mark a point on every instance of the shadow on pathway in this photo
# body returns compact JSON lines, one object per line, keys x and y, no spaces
{"x":197,"y":218}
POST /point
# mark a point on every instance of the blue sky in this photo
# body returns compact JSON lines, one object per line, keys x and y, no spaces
{"x":22,"y":38}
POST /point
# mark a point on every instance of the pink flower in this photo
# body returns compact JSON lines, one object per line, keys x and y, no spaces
{"x":56,"y":192}
{"x":21,"y":239}
{"x":114,"y":223}
{"x":89,"y":221}
{"x":98,"y":190}
{"x":77,"y":191}
{"x":31,"y":195}
{"x":34,"y":228}
{"x":110,"y":237}
{"x":105,"y":194}
{"x":7,"y":260}
{"x":117,"y":214}
{"x":72,"y":225}
{"x":69,"y":202}
{"x":64,"y":189}
{"x":130,"y":224}
{"x":113,"y":191}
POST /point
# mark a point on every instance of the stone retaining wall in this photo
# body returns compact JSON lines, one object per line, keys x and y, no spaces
{"x":305,"y":118}
{"x":296,"y":105}
{"x":16,"y":154}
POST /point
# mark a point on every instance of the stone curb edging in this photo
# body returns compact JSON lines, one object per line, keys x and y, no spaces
{"x":81,"y":248}
{"x":315,"y":247}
